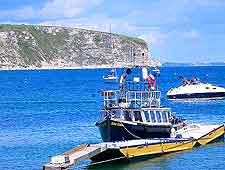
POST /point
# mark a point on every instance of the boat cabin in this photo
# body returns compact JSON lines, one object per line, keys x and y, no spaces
{"x":146,"y":116}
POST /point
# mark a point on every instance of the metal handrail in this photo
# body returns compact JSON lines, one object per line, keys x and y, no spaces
{"x":143,"y":98}
{"x":137,"y":98}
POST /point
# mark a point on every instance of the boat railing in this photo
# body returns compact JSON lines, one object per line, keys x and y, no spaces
{"x":136,"y":86}
{"x":143,"y":98}
{"x":111,"y":98}
{"x":132,"y":99}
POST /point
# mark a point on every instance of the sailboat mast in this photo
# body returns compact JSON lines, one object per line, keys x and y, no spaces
{"x":111,"y":45}
{"x":112,"y":52}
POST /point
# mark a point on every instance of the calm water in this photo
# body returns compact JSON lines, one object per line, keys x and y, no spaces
{"x":44,"y":113}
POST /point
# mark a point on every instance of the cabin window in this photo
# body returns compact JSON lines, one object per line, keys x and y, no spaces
{"x":158,"y":116}
{"x":116,"y":114}
{"x":164,"y":116}
{"x":137,"y":116}
{"x":127,"y":116}
{"x":168,"y":115}
{"x":147,"y":116}
{"x":152,"y":115}
{"x":113,"y":114}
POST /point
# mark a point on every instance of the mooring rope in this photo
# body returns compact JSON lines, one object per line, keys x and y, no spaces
{"x":97,"y":163}
{"x":131,"y":133}
{"x":109,"y":160}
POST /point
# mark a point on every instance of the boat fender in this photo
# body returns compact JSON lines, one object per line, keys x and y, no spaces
{"x":179,"y":136}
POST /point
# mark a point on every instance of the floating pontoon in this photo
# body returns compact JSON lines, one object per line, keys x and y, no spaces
{"x":131,"y":149}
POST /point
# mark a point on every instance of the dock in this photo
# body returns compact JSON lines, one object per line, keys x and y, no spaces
{"x":192,"y":136}
{"x":113,"y":150}
{"x":74,"y":156}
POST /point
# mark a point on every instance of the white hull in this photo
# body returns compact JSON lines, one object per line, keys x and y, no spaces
{"x":110,"y":78}
{"x":196,"y":92}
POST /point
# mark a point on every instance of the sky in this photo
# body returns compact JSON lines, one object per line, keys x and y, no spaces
{"x":175,"y":30}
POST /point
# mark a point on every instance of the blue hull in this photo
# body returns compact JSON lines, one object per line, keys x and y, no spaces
{"x":113,"y":131}
{"x":198,"y":96}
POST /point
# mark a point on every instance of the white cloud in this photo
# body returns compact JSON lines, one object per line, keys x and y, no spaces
{"x":55,"y":9}
{"x":102,"y":23}
{"x":155,"y":37}
{"x":67,"y":8}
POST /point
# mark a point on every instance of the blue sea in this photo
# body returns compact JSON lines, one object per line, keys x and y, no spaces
{"x":44,"y":113}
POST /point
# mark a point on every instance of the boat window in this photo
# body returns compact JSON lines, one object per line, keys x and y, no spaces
{"x":137,"y":116}
{"x":152,"y":115}
{"x":164,"y":116}
{"x":158,"y":116}
{"x":127,"y":115}
{"x":168,"y":115}
{"x":172,"y":118}
{"x":113,"y":114}
{"x":116,"y":114}
{"x":147,"y":116}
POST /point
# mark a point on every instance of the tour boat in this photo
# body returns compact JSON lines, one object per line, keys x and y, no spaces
{"x":134,"y":111}
{"x":194,"y":90}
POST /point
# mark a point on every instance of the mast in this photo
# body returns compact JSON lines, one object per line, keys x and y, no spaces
{"x":112,"y":52}
{"x":111,"y":45}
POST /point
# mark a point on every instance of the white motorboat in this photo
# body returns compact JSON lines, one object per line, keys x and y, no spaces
{"x":111,"y":76}
{"x":194,"y":90}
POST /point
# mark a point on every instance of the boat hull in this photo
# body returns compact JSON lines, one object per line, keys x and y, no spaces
{"x":162,"y":147}
{"x":202,"y":96}
{"x":112,"y":130}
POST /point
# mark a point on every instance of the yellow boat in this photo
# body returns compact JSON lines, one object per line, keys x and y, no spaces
{"x":142,"y":147}
{"x":162,"y":146}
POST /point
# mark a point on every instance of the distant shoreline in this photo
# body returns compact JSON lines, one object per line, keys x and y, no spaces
{"x":168,"y":64}
{"x":96,"y":67}
{"x":195,"y":66}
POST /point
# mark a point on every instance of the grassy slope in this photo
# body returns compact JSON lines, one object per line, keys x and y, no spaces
{"x":47,"y":45}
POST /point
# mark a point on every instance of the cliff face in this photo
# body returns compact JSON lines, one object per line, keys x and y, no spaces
{"x":26,"y":46}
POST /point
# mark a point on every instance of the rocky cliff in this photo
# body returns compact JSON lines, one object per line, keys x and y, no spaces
{"x":32,"y":47}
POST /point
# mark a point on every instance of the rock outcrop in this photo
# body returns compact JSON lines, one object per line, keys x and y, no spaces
{"x":38,"y":47}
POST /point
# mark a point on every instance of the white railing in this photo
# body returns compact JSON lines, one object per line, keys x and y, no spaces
{"x":143,"y":98}
{"x":125,"y":99}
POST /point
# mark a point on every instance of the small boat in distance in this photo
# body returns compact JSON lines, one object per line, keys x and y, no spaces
{"x":194,"y":89}
{"x":112,"y":75}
